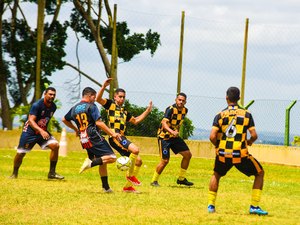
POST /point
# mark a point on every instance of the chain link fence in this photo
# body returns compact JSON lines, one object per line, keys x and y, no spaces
{"x":212,"y":62}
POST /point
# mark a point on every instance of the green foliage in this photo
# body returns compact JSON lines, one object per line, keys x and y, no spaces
{"x":128,"y":45}
{"x":296,"y":141}
{"x":149,"y":126}
{"x":187,"y":129}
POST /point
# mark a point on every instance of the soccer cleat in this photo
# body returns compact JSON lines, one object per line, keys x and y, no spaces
{"x":185,"y":182}
{"x":86,"y":165}
{"x":130,"y":190}
{"x":258,"y":211}
{"x":211,"y":209}
{"x":55,"y":176}
{"x":133,"y":180}
{"x":155,"y":184}
{"x":108,"y":191}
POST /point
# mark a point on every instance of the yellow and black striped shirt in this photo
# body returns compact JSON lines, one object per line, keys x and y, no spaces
{"x":117,"y":116}
{"x":232,"y":125}
{"x":174,"y":117}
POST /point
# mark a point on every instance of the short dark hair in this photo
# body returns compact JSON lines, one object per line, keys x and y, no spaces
{"x":50,"y":89}
{"x":88,"y":91}
{"x":182,"y":94}
{"x":119,"y":90}
{"x":233,"y":94}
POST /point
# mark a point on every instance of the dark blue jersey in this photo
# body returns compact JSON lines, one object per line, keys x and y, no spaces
{"x":43,"y":115}
{"x":85,"y":115}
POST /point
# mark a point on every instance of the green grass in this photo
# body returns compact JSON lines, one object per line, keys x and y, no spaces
{"x":32,"y":199}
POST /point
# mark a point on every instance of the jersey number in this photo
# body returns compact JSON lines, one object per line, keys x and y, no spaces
{"x":82,"y":120}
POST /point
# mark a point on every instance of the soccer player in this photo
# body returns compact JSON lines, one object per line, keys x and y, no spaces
{"x":86,"y":116}
{"x":118,"y":116}
{"x":168,"y":138}
{"x":229,"y":136}
{"x":35,"y":131}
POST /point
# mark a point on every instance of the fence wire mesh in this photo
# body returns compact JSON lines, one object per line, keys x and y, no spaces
{"x":212,"y":62}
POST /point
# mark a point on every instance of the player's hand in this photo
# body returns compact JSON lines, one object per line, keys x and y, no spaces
{"x":150,"y":106}
{"x":45,"y":135}
{"x":117,"y":136}
{"x":107,"y":82}
{"x":175,"y":133}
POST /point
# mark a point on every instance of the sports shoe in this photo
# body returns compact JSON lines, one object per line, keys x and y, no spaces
{"x":55,"y":176}
{"x":108,"y":191}
{"x":133,"y":180}
{"x":185,"y":182}
{"x":86,"y":165}
{"x":130,"y":190}
{"x":211,"y":209}
{"x":257,"y":210}
{"x":155,"y":184}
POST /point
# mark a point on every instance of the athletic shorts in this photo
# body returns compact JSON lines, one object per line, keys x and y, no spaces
{"x":120,"y":146}
{"x":100,"y":149}
{"x":177,"y":145}
{"x":248,"y":166}
{"x":27,"y":142}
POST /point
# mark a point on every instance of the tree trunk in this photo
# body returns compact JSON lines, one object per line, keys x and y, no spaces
{"x":5,"y":109}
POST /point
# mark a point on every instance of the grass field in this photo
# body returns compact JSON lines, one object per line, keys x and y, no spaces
{"x":32,"y":199}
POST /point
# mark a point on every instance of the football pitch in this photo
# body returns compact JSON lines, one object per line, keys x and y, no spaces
{"x":33,"y":199}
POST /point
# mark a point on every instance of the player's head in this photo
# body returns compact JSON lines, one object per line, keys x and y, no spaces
{"x":180,"y":100}
{"x":119,"y":96}
{"x":89,"y":94}
{"x":233,"y":94}
{"x":49,"y":94}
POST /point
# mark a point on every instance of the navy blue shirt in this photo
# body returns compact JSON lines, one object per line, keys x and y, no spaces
{"x":43,"y":115}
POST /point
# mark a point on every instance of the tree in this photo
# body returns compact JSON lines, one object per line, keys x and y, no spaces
{"x":19,"y":45}
{"x":86,"y":19}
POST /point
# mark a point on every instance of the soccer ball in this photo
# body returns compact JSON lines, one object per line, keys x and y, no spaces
{"x":123,"y":163}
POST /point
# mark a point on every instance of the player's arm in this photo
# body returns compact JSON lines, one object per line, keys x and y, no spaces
{"x":253,"y":136}
{"x":138,"y":119}
{"x":108,"y":131}
{"x":213,"y":137}
{"x":70,"y":125}
{"x":33,"y":124}
{"x":99,"y":97}
{"x":166,"y":127}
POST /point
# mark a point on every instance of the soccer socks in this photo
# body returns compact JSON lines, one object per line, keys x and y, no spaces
{"x":135,"y":173}
{"x":131,"y":169}
{"x":212,"y":198}
{"x":52,"y":166}
{"x":182,"y":174}
{"x":155,"y":177}
{"x":256,"y":194}
{"x":96,"y":162}
{"x":105,"y":184}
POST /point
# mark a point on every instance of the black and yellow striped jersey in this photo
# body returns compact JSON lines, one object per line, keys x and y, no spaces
{"x":117,"y":116}
{"x":174,"y":117}
{"x":232,"y":124}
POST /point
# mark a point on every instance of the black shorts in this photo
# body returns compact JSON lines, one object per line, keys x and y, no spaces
{"x":100,"y":149}
{"x":248,"y":166}
{"x":177,"y":145}
{"x":120,"y":146}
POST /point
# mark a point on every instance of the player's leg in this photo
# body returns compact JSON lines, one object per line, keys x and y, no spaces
{"x":250,"y":166}
{"x":53,"y":145}
{"x":25,"y":145}
{"x":164,"y":152}
{"x":179,"y":146}
{"x":17,"y":163}
{"x":104,"y":178}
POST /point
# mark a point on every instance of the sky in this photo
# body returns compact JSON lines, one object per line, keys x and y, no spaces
{"x":212,"y":59}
